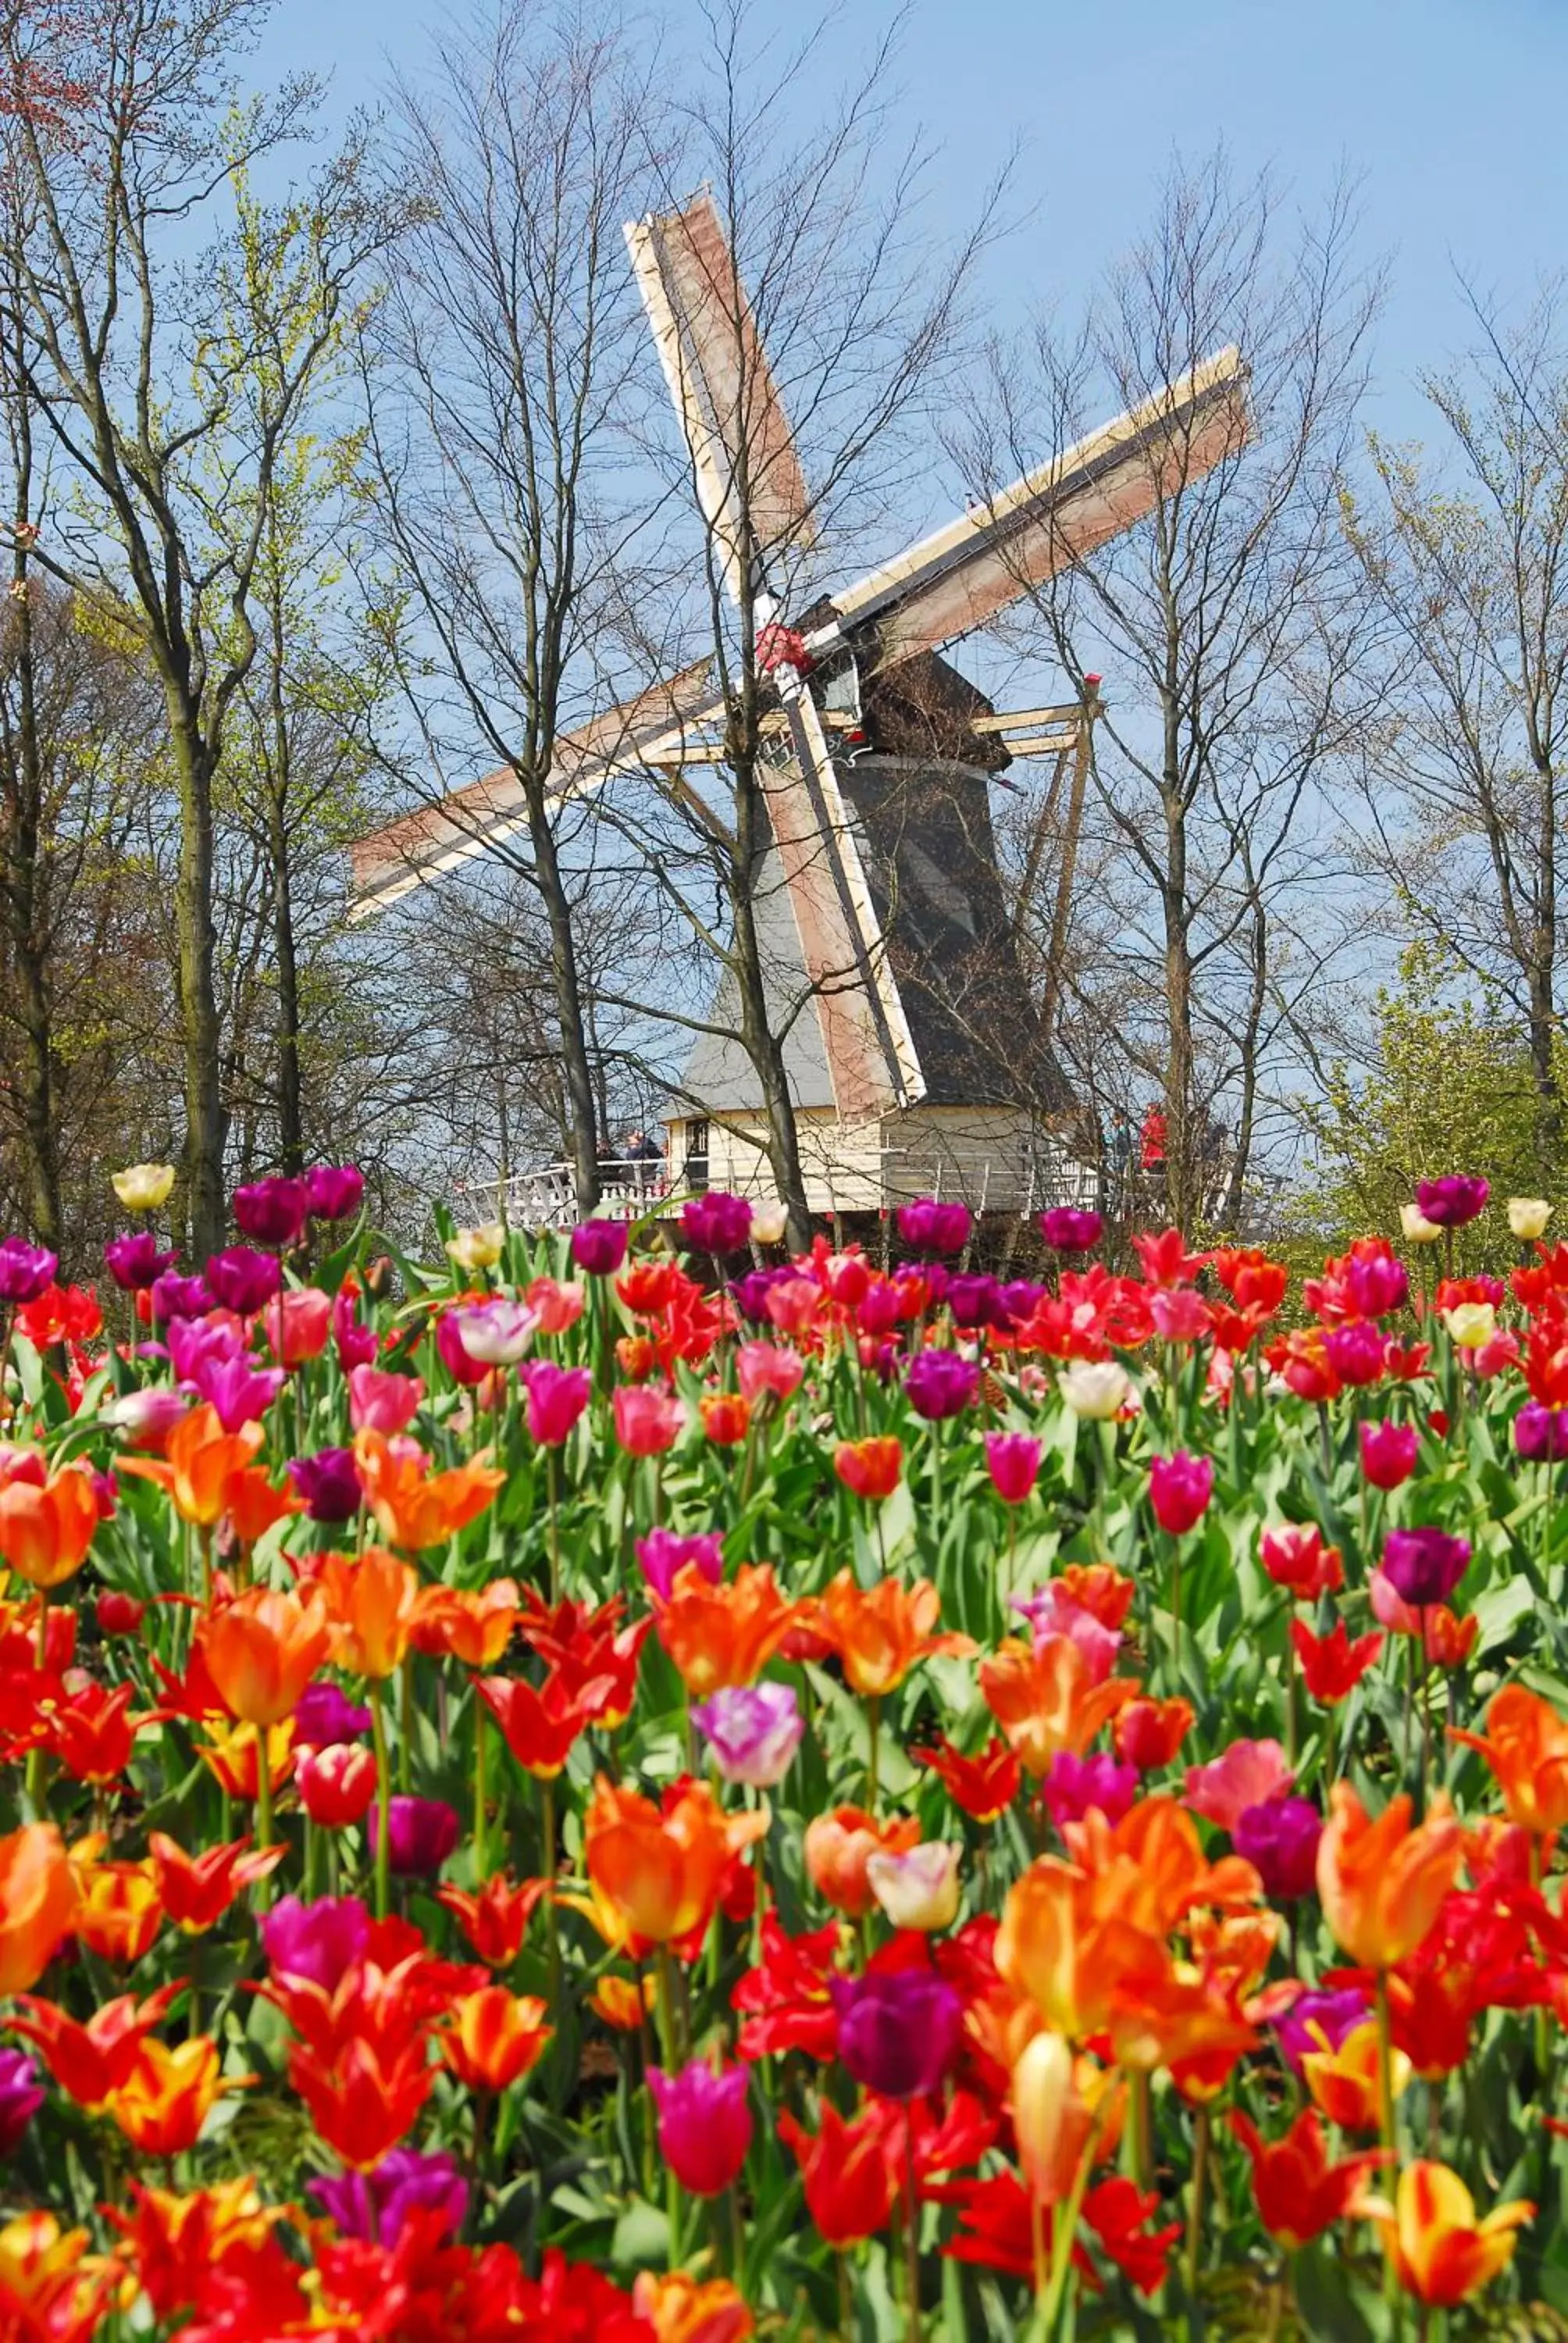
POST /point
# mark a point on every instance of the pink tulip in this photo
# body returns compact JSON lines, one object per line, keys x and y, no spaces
{"x":647,"y":1420}
{"x":1012,"y":1459}
{"x":1248,"y":1774}
{"x":298,"y":1324}
{"x":557,"y":1398}
{"x":1179,"y":1488}
{"x":762,"y":1367}
{"x":1053,"y":1612}
{"x":556,"y":1306}
{"x":1179,"y":1313}
{"x":382,"y":1400}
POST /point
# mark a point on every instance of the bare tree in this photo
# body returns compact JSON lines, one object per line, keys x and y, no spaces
{"x":1466,"y":549}
{"x":492,"y":386}
{"x":1227,"y":626}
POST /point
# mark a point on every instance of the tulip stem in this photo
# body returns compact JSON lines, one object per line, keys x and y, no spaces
{"x":405,"y":1724}
{"x":872,"y":1706}
{"x":37,"y":1760}
{"x":555,"y":1526}
{"x":1385,"y":2069}
{"x":911,"y":2227}
{"x":384,"y":1802}
{"x":263,"y":1800}
{"x":479,"y":1788}
{"x":1195,"y":2205}
{"x":547,"y":1824}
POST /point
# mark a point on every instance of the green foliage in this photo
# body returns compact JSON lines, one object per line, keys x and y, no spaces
{"x":1449,"y":1089}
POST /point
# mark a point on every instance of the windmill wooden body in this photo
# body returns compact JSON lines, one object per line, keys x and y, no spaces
{"x":921,"y":1062}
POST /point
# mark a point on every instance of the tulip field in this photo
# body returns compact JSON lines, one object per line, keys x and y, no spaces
{"x":624,"y":1785}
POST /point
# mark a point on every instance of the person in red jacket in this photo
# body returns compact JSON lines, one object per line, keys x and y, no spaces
{"x":1152,"y":1141}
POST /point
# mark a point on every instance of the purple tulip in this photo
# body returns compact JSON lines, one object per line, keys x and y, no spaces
{"x":328,"y":1482}
{"x":1280,"y":1840}
{"x":1424,"y":1567}
{"x":704,"y":2124}
{"x":1329,"y":2015}
{"x":1541,"y":1433}
{"x":1075,"y":1787}
{"x":1356,"y":1350}
{"x":1019,"y":1298}
{"x":21,"y":2097}
{"x":598,"y":1247}
{"x":753,"y":1732}
{"x":975,"y":1301}
{"x":1451,"y":1203}
{"x":717,"y":1222}
{"x":1065,"y":1231}
{"x":373,"y":2205}
{"x":134,"y":1260}
{"x":662,"y":1552}
{"x":176,"y":1297}
{"x":929,"y":1226}
{"x":243,"y":1280}
{"x":940,"y":1384}
{"x":1376,"y":1285}
{"x":324,"y":1716}
{"x":751,"y":1292}
{"x":319,"y":1941}
{"x":898,"y":2029}
{"x":334,"y":1192}
{"x":271,"y":1211}
{"x":240,"y":1392}
{"x":421,"y":1834}
{"x":26,"y":1270}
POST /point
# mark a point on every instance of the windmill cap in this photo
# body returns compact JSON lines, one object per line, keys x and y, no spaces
{"x":1092,"y":682}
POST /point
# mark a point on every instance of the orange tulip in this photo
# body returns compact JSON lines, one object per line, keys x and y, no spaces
{"x":49,"y":2284}
{"x":92,"y":1732}
{"x":1069,"y":1958}
{"x":196,"y":1891}
{"x":253,"y":1504}
{"x":681,"y":2309}
{"x":1149,"y":1867}
{"x":119,"y":1915}
{"x":1382,"y":1883}
{"x":202,"y":1464}
{"x":1099,"y":1588}
{"x":415,"y":1508}
{"x":38,"y":1899}
{"x":1059,"y":2103}
{"x":1344,"y":2082}
{"x":619,"y":2002}
{"x":839,"y":1845}
{"x":879,"y":1632}
{"x":262,"y":1650}
{"x":494,"y":2037}
{"x":1045,"y":1699}
{"x":1440,"y":2253}
{"x":869,"y":1468}
{"x":363,"y":2096}
{"x":473,"y":1628}
{"x":655,"y":1871}
{"x":1526,"y":1745}
{"x":233,"y":1753}
{"x":725,"y":1634}
{"x":373,"y":1602}
{"x":169,"y":2093}
{"x":45,"y":1532}
{"x":726,"y":1417}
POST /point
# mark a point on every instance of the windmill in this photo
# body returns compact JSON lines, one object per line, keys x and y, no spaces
{"x":922,"y":1061}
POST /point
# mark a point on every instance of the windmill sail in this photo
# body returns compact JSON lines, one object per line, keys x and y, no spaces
{"x":468,"y":822}
{"x":967,"y":572}
{"x":747,"y":472}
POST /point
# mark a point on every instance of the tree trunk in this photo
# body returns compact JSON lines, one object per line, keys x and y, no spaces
{"x":205,"y":1124}
{"x":290,"y":1080}
{"x":1180,"y":1183}
{"x":1542,"y":1001}
{"x":24,"y":903}
{"x":574,"y":1048}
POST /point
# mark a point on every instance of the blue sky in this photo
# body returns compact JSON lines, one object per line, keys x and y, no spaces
{"x":1453,"y":112}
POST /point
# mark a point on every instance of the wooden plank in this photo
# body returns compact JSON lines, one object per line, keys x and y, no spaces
{"x":1043,"y":744}
{"x":1021,"y":719}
